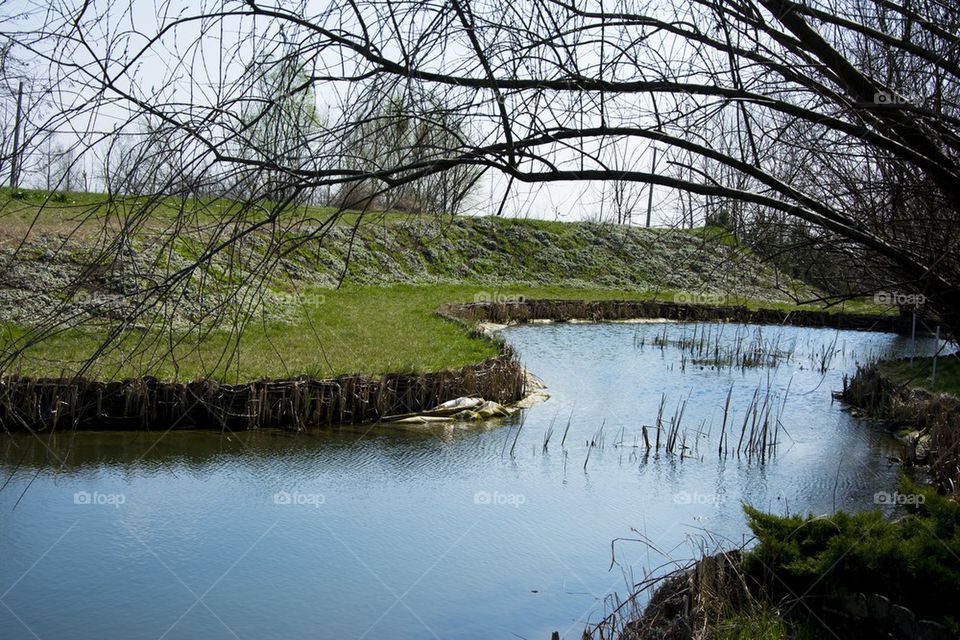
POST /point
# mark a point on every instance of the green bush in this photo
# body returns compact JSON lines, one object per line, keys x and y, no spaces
{"x":913,"y":560}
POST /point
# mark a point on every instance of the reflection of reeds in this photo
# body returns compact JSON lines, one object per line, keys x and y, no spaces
{"x":516,"y":436}
{"x":566,"y":429}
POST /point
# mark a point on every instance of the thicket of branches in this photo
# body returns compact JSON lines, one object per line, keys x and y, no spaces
{"x":831,"y":123}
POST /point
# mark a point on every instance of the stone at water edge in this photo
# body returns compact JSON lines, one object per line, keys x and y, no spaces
{"x":485,"y":411}
{"x":451,"y":407}
{"x":491,"y":409}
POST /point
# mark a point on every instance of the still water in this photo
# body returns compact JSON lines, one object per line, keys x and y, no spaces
{"x":444,"y":533}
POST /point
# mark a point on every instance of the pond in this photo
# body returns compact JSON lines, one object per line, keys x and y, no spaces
{"x":460,"y":532}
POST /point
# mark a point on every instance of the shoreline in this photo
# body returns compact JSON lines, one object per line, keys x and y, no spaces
{"x":546,"y":311}
{"x":928,"y":419}
{"x":44,"y":404}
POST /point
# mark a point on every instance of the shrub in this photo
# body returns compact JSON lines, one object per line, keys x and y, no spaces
{"x":914,"y":560}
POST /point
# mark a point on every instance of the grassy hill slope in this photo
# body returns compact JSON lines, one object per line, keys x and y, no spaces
{"x":393,"y":272}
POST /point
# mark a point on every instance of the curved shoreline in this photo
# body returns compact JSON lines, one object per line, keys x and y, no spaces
{"x":677,"y":605}
{"x":560,"y":310}
{"x":29,"y":404}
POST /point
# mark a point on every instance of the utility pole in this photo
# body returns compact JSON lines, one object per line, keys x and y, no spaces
{"x":653,"y":168}
{"x":15,"y":159}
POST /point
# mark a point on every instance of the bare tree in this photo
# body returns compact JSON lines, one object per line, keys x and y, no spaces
{"x":395,"y":127}
{"x":839,"y":114}
{"x":625,"y":199}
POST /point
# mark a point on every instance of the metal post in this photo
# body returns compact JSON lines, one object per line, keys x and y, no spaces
{"x":933,"y":378}
{"x":913,"y":339}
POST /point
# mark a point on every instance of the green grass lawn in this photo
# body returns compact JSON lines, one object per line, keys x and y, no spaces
{"x":371,"y":330}
{"x":921,"y":373}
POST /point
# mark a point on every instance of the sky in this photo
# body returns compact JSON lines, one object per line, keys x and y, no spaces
{"x":182,"y":67}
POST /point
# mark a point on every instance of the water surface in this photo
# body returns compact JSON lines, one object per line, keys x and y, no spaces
{"x":447,"y":533}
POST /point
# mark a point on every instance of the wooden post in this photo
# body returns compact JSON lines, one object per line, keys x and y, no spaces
{"x":15,"y":156}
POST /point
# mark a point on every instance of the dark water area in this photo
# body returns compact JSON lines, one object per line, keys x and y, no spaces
{"x":377,"y":531}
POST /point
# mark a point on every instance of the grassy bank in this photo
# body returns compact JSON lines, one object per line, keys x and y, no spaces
{"x":327,"y":332}
{"x":367,"y":330}
{"x":920,"y":373}
{"x":398,"y":269}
